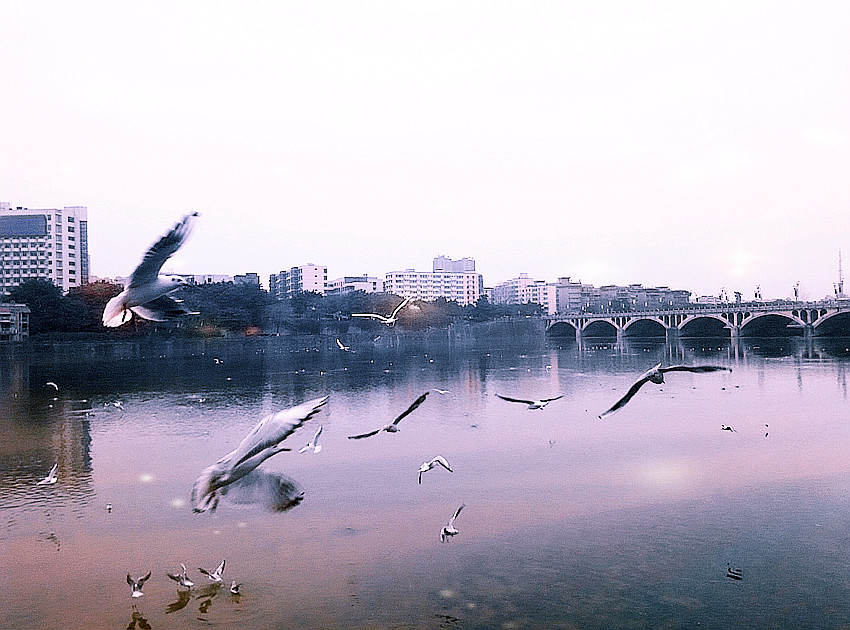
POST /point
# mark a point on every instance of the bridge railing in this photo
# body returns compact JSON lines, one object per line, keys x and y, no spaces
{"x":702,"y":308}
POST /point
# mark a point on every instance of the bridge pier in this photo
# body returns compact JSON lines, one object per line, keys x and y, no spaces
{"x":734,"y":331}
{"x":672,"y":333}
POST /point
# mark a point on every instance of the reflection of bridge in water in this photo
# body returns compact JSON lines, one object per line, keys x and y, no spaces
{"x":806,"y":318}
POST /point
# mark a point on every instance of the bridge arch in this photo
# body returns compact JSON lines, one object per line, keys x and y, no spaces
{"x":704,"y":325}
{"x":562,"y":329}
{"x":600,"y":328}
{"x":772,"y":324}
{"x":648,"y":326}
{"x":837,"y":323}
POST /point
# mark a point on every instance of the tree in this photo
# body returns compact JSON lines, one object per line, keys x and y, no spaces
{"x":50,"y":311}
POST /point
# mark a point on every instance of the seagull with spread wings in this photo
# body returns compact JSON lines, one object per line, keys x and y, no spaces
{"x":426,"y":466}
{"x":313,"y":444}
{"x":262,"y":442}
{"x":215,"y":576}
{"x":51,"y":476}
{"x":532,"y":404}
{"x":136,"y":585}
{"x":449,"y":528}
{"x":389,"y":321}
{"x":656,"y":375}
{"x":182,"y":578}
{"x":146,"y":294}
{"x":393,"y":426}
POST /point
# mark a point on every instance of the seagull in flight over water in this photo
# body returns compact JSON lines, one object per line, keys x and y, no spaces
{"x":532,"y":404}
{"x":342,"y":346}
{"x":262,"y":442}
{"x":449,"y":528}
{"x":426,"y":466}
{"x":51,"y":476}
{"x":215,"y":576}
{"x":312,"y":444}
{"x":389,"y":321}
{"x":656,"y":375}
{"x":393,"y":426}
{"x":182,"y":579}
{"x":146,"y":294}
{"x":137,"y":584}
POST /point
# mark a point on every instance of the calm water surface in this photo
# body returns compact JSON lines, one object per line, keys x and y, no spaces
{"x":570,"y":521}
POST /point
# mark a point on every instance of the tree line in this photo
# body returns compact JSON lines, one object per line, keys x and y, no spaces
{"x":227,"y":308}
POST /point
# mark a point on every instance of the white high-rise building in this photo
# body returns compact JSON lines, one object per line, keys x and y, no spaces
{"x":301,"y":279}
{"x":349,"y":284}
{"x":525,"y":290}
{"x":464,"y":287}
{"x":48,"y":244}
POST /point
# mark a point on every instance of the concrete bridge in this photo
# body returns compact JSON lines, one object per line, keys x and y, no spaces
{"x":810,"y":318}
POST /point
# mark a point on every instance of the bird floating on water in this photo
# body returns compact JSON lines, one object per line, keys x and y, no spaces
{"x":234,"y":587}
{"x":426,"y":466}
{"x":449,"y":528}
{"x":182,"y":579}
{"x":393,"y":426}
{"x":136,"y":585}
{"x":656,"y":375}
{"x":312,"y":444}
{"x":389,"y":321}
{"x":146,"y":294}
{"x":215,"y":576}
{"x":262,"y":442}
{"x":532,"y":404}
{"x":51,"y":477}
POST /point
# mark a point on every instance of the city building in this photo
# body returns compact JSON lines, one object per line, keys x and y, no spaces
{"x":47,"y":244}
{"x":464,"y":287}
{"x":574,"y":297}
{"x":207,"y":278}
{"x":443,"y":263}
{"x":14,"y":322}
{"x":349,"y":284}
{"x":300,"y":279}
{"x":525,"y":290}
{"x":248,"y":278}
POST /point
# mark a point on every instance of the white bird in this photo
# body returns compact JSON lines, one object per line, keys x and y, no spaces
{"x":234,"y":587}
{"x":449,"y":528}
{"x":51,"y":476}
{"x":137,"y":584}
{"x":726,"y":427}
{"x":532,"y":404}
{"x":656,"y":375}
{"x":182,"y":579}
{"x":342,"y":346}
{"x":215,"y":576}
{"x":313,"y":444}
{"x":426,"y":466}
{"x":53,"y":385}
{"x":146,"y":294}
{"x":389,"y":321}
{"x":109,"y":507}
{"x":392,"y":427}
{"x":441,"y":392}
{"x":262,"y":442}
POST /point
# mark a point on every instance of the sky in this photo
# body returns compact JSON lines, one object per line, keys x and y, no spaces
{"x":696,"y":145}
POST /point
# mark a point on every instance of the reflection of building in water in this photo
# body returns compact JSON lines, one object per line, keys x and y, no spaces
{"x":14,"y":322}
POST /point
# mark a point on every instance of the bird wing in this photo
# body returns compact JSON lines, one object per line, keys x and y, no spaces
{"x":371,"y":316}
{"x":220,"y":568}
{"x":620,"y":403}
{"x":519,"y":400}
{"x":316,"y":437}
{"x":442,"y":462}
{"x":161,"y":251}
{"x":129,"y":580}
{"x":462,"y":505}
{"x":399,"y":307}
{"x":142,"y":580}
{"x":173,"y":576}
{"x":53,"y":470}
{"x":273,"y":429}
{"x":160,"y":309}
{"x":410,"y":409}
{"x":204,"y":571}
{"x":363,"y":435}
{"x":546,"y":400}
{"x":695,"y":368}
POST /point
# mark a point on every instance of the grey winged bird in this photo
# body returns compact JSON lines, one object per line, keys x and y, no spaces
{"x":656,"y":375}
{"x":389,"y":321}
{"x":51,"y":476}
{"x":146,"y":293}
{"x":313,"y":444}
{"x":532,"y":404}
{"x":262,"y":442}
{"x":215,"y":576}
{"x":426,"y":466}
{"x":182,"y":578}
{"x":449,"y":528}
{"x":136,"y":585}
{"x":392,"y":427}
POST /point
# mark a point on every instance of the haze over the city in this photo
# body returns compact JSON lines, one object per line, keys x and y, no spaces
{"x":693,"y":145}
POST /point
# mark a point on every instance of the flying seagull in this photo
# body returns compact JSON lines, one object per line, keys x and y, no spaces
{"x":234,"y":587}
{"x":726,"y":427}
{"x":52,"y":384}
{"x":182,"y":579}
{"x":656,"y":375}
{"x":426,"y":466}
{"x":137,"y":584}
{"x":146,"y":294}
{"x":532,"y":404}
{"x":342,"y":346}
{"x":313,"y":444}
{"x":51,"y":476}
{"x":393,"y":426}
{"x":261,"y":443}
{"x":215,"y":576}
{"x":449,"y":528}
{"x":389,"y":321}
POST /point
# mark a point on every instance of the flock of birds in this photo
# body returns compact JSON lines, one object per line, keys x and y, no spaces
{"x":146,"y":296}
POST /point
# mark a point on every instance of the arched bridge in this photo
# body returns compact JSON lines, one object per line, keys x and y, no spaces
{"x":810,"y":317}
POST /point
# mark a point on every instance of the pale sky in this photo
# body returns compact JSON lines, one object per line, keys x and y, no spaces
{"x":695,"y":145}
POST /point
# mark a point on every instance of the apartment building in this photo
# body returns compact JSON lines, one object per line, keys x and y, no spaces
{"x":300,"y":279}
{"x":49,"y":244}
{"x":349,"y":284}
{"x":464,"y":287}
{"x":526,"y":290}
{"x":14,"y":322}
